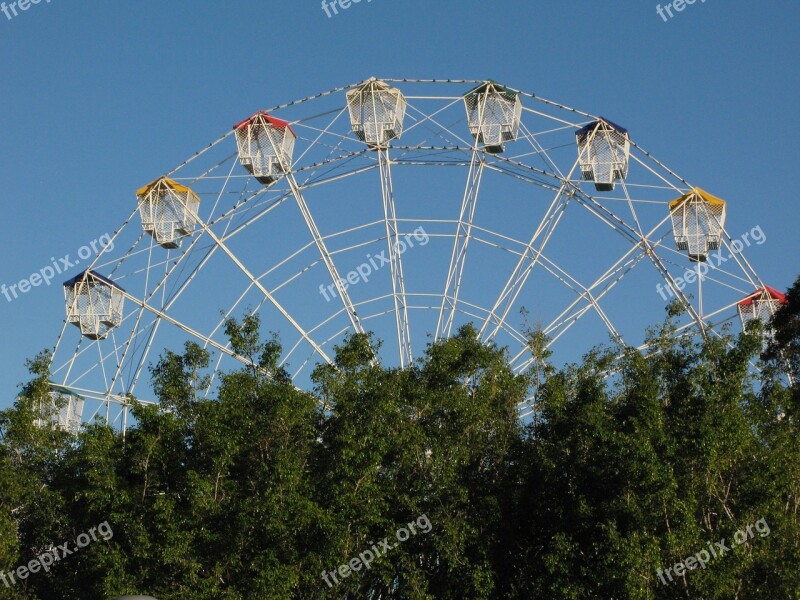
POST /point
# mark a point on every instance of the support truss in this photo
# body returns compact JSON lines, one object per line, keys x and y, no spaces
{"x":264,"y":291}
{"x":435,"y":139}
{"x":326,"y":256}
{"x":395,"y":262}
{"x":458,"y":258}
{"x":528,"y":260}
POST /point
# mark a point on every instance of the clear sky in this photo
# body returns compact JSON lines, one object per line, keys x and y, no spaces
{"x":99,"y":97}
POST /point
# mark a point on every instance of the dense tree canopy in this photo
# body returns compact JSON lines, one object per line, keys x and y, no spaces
{"x":423,"y":483}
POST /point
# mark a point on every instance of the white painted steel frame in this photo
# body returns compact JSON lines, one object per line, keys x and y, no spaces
{"x":445,"y":147}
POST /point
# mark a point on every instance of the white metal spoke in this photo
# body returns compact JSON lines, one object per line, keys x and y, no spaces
{"x":326,"y":256}
{"x":527,"y":262}
{"x":185,"y":328}
{"x":522,"y":136}
{"x":630,"y":233}
{"x":395,"y":261}
{"x":458,"y":256}
{"x":264,"y":291}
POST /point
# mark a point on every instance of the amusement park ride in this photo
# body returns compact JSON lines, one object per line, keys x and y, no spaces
{"x":528,"y":203}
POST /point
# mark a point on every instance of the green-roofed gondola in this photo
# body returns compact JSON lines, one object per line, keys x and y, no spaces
{"x":493,"y":114}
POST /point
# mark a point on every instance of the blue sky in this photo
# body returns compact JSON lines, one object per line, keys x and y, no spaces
{"x":101,"y":97}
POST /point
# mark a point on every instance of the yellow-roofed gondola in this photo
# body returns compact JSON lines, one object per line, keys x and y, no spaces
{"x":168,"y":211}
{"x":698,"y":221}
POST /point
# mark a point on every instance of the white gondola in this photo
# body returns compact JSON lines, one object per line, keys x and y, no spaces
{"x":493,"y":115}
{"x":168,"y":211}
{"x":377,"y":111}
{"x":698,"y":221}
{"x":94,"y":304}
{"x":603,"y":153}
{"x":266,"y":146}
{"x":63,"y":411}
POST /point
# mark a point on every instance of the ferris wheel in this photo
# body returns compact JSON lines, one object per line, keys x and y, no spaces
{"x":405,"y":208}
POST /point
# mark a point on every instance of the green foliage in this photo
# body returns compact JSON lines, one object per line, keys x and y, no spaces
{"x":634,"y":462}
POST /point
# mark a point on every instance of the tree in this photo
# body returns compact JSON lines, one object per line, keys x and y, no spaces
{"x":246,"y":487}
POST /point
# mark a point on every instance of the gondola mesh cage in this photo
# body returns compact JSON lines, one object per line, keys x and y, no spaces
{"x":377,"y":111}
{"x":94,"y":304}
{"x":168,"y":211}
{"x":761,"y":305}
{"x":64,"y":411}
{"x":266,"y":146}
{"x":698,"y":221}
{"x":603,"y":154}
{"x":493,"y":115}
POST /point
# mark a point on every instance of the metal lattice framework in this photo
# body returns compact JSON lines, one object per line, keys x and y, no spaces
{"x":64,"y":411}
{"x":761,"y":305}
{"x":493,"y":114}
{"x":317,"y":215}
{"x":377,"y":111}
{"x":604,"y":153}
{"x":94,"y":304}
{"x":266,"y":145}
{"x":698,"y":221}
{"x":168,"y":211}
